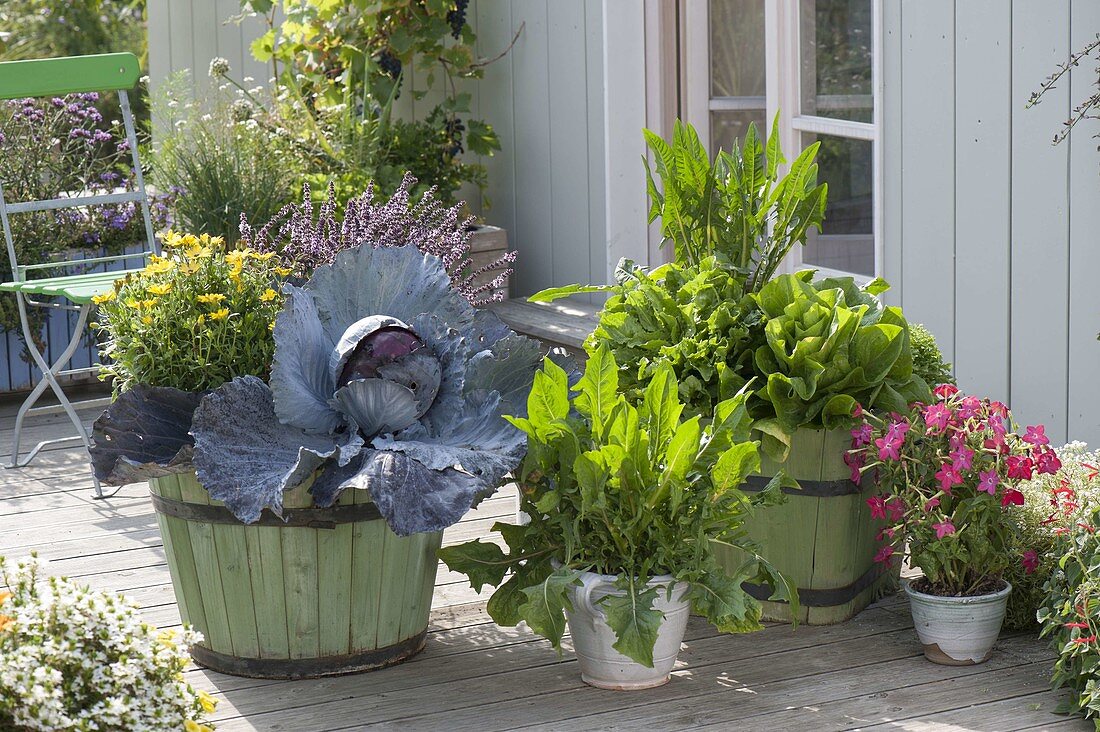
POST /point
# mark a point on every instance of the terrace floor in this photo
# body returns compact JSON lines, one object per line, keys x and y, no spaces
{"x":864,"y":674}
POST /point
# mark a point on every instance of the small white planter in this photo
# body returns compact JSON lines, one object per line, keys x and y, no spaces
{"x":958,"y":631}
{"x":604,"y":667}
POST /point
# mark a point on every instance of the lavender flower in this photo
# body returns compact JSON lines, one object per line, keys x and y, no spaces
{"x":306,"y":242}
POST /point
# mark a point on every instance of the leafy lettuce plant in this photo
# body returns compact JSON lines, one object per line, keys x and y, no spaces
{"x":829,"y":346}
{"x":693,"y":318}
{"x":627,"y":490}
{"x":384,"y":378}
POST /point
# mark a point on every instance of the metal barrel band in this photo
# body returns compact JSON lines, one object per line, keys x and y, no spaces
{"x":308,"y":668}
{"x":809,"y":488}
{"x":819,"y":598}
{"x":311,"y":518}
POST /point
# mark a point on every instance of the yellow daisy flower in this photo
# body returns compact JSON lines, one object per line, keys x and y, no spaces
{"x":214,"y":297}
{"x":261,"y":257}
{"x":220,"y":314}
{"x":283,"y":271}
{"x":105,"y":297}
{"x":148,"y":303}
{"x":147,"y":319}
{"x":160,"y":266}
{"x":268,"y":295}
{"x":208,"y":702}
{"x":160,"y":289}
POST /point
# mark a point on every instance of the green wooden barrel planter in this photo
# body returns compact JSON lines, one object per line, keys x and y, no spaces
{"x":822,"y":538}
{"x":329,"y":591}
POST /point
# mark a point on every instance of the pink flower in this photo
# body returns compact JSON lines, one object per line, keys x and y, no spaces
{"x":930,"y":504}
{"x":944,"y":528}
{"x":968,"y":407}
{"x":1047,"y":461}
{"x":888,"y":448}
{"x":998,"y":408}
{"x":1035,"y":436}
{"x":884,"y":554}
{"x":948,"y":477}
{"x":861,"y":435}
{"x":878,"y":507}
{"x":962,"y":458}
{"x":857,"y":413}
{"x":944,"y":391}
{"x":1013,"y":497}
{"x":1030,"y":560}
{"x":896,"y":509}
{"x":957,"y":439}
{"x":987,"y":481}
{"x":936,"y":417}
{"x":1019,"y":467}
{"x":886,"y":532}
{"x":855,"y":461}
{"x":996,"y":425}
{"x":1079,"y":626}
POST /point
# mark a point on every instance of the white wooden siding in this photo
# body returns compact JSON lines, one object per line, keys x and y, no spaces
{"x":991,"y":233}
{"x":546,"y":100}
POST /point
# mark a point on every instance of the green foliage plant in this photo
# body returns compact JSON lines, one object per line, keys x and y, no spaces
{"x":626,"y":490}
{"x":736,"y":207}
{"x":193,"y":319}
{"x":339,"y":66}
{"x":928,"y":361}
{"x":1070,"y":618}
{"x":1053,"y":506}
{"x":219,"y":161}
{"x":829,"y":346}
{"x":694,"y":318}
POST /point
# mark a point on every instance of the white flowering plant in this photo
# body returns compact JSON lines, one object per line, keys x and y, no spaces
{"x":72,"y":658}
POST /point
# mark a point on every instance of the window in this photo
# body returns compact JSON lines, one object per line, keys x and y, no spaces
{"x":818,"y":62}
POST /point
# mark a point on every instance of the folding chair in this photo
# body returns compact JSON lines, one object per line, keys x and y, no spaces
{"x":47,"y":78}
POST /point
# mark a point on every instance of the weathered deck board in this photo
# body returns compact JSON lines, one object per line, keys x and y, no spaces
{"x":864,"y":674}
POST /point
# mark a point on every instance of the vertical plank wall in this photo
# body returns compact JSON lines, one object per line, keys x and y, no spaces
{"x":545,"y":99}
{"x":991,"y":232}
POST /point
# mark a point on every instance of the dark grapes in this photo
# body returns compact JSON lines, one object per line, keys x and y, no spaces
{"x":457,"y":17}
{"x":390,"y":64}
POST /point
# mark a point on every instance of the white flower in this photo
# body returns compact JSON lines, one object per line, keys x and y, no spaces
{"x":218,"y":67}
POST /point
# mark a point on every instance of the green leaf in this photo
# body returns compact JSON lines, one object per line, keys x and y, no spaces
{"x":634,"y":620}
{"x":484,"y":563}
{"x":660,"y":408}
{"x":544,"y":608}
{"x":597,"y":391}
{"x":556,"y":293}
{"x":549,"y":397}
{"x":592,"y":473}
{"x":720,"y":599}
{"x":734,"y":465}
{"x":504,"y":605}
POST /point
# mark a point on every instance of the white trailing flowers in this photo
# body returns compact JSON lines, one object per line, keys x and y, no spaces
{"x":72,"y":658}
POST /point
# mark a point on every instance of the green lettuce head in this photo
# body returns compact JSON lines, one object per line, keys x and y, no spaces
{"x":830,"y":346}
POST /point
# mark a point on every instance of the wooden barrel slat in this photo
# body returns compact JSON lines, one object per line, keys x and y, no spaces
{"x":821,"y":543}
{"x":296,"y":601}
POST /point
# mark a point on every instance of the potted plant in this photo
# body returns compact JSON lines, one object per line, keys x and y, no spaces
{"x":626,"y":503}
{"x":76,"y":658}
{"x":251,"y":408}
{"x":949,"y":472}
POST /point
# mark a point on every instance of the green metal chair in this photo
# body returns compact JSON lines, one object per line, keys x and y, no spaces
{"x":56,"y":77}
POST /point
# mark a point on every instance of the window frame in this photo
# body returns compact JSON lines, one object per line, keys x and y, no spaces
{"x":784,"y":92}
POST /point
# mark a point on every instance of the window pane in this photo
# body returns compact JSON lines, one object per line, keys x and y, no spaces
{"x":737,"y":48}
{"x":836,"y":48}
{"x":847,"y":238}
{"x":728,"y":128}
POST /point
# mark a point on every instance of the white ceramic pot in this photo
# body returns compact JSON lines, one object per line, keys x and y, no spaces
{"x":958,"y":631}
{"x":604,"y":667}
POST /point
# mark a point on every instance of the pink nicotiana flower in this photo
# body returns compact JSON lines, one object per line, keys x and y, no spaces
{"x":895,"y":508}
{"x":1046,"y":461}
{"x":857,"y":413}
{"x":861,"y":435}
{"x":1012,"y":497}
{"x":944,"y":528}
{"x":855,"y":462}
{"x":948,"y":477}
{"x":936,"y":416}
{"x":1030,"y":560}
{"x":962,"y":458}
{"x":946,"y":391}
{"x":884,"y":554}
{"x":885,"y":533}
{"x":888,"y":448}
{"x":1035,"y":435}
{"x":969,"y":408}
{"x":1019,"y":467}
{"x":878,"y":507}
{"x":930,"y":504}
{"x":987,"y":481}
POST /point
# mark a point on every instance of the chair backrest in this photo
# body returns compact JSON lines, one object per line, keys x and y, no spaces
{"x":49,"y":77}
{"x":72,"y":75}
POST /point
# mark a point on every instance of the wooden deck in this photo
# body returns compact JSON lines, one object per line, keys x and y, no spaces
{"x":865,"y":674}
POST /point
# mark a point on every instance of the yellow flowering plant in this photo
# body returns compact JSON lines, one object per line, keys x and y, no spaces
{"x":194,"y":318}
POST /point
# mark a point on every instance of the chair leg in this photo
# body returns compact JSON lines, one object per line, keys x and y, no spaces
{"x":49,"y":379}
